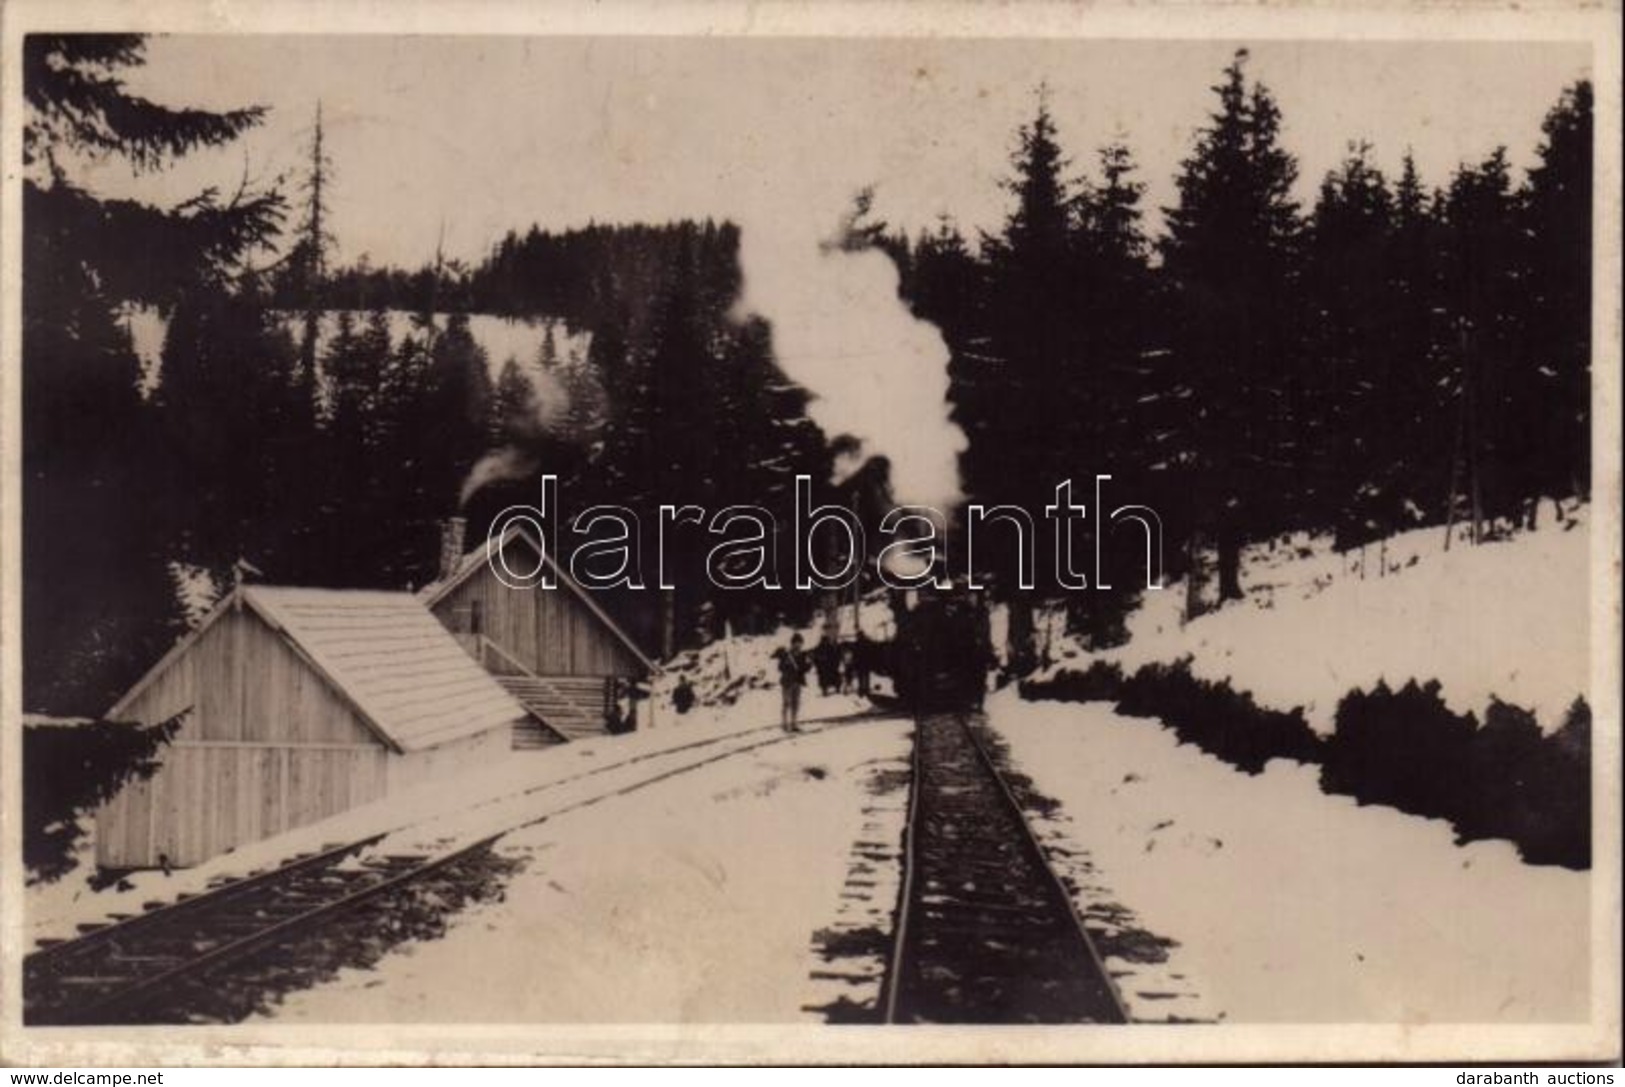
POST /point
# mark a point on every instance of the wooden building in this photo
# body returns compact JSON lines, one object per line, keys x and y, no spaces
{"x":301,"y":703}
{"x":556,"y":650}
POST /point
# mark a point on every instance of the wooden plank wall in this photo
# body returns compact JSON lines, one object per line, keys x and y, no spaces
{"x":209,"y":797}
{"x":268,"y":746}
{"x":244,"y":682}
{"x":550,"y":631}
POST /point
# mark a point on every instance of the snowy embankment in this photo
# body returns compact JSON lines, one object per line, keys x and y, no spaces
{"x":523,"y":786}
{"x":1508,"y":619}
{"x":1284,"y":903}
{"x":1288,"y":905}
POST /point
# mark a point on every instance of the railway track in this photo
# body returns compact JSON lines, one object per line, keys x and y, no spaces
{"x":213,"y":956}
{"x":210,"y":957}
{"x":986,"y":932}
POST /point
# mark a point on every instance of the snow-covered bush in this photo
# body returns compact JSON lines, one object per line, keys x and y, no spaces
{"x":1102,"y":681}
{"x":1211,"y":715}
{"x":1218,"y":719}
{"x":1504,"y":779}
{"x":1558,"y":830}
{"x":1402,"y":748}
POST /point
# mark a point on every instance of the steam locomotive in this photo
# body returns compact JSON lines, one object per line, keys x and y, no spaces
{"x":942,"y":650}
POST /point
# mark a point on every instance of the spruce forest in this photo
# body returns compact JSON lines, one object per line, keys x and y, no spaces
{"x":1396,"y":353}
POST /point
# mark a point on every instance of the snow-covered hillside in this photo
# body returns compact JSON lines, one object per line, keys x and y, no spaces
{"x":1508,"y":619}
{"x":502,"y":338}
{"x":1283,"y":903}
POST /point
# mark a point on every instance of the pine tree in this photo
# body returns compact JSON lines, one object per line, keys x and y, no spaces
{"x":237,"y":419}
{"x":376,"y":365}
{"x":308,"y":260}
{"x":1418,"y":464}
{"x":1347,"y":250}
{"x":944,"y":286}
{"x":1229,"y":258}
{"x":98,"y":601}
{"x":1027,"y":375}
{"x":348,"y":508}
{"x":1111,"y":309}
{"x":456,"y":411}
{"x":1490,"y":385}
{"x":547,"y":355}
{"x":513,"y":414}
{"x":1557,"y":217}
{"x":1112,"y":312}
{"x":1022,"y":384}
{"x":584,"y":404}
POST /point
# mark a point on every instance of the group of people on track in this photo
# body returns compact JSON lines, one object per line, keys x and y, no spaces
{"x":840,"y":668}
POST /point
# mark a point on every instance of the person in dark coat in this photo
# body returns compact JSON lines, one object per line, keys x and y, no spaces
{"x":827,"y":662}
{"x":793,"y":668}
{"x":682,"y":698}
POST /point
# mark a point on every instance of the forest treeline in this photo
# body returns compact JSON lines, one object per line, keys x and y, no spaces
{"x":1391,"y":355}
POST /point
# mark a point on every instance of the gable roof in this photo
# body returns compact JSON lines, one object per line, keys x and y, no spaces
{"x":384,"y":653}
{"x":471,"y":562}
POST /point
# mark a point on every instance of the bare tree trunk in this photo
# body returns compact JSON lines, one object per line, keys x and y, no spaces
{"x":1473,"y":479}
{"x":1229,"y":564}
{"x":1193,"y":578}
{"x":1459,"y":452}
{"x":1019,"y":640}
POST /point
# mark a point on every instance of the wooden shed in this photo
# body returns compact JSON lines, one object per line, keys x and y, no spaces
{"x":301,"y":703}
{"x":556,"y":650}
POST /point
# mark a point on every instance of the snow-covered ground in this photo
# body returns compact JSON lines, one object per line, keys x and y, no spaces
{"x":1288,"y":905}
{"x":729,"y":666}
{"x":1508,"y":619}
{"x":694,"y":871}
{"x":525,"y":786}
{"x":695,"y":899}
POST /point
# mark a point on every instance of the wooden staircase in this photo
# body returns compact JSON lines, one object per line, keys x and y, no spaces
{"x":569,"y":707}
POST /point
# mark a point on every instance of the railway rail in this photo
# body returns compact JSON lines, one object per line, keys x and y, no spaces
{"x":209,"y":956}
{"x":986,"y":932}
{"x":167,"y":965}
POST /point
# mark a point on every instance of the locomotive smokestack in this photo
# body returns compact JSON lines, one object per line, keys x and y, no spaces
{"x":451,"y":545}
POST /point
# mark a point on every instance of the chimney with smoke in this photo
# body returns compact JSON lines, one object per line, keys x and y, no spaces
{"x":451,"y":545}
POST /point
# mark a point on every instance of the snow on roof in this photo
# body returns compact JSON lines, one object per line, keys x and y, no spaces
{"x":390,"y":657}
{"x":432,"y":593}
